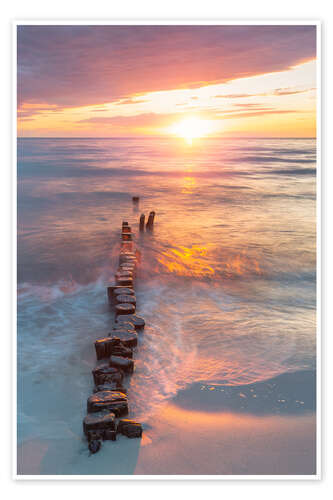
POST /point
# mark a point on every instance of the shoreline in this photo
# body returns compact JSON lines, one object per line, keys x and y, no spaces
{"x":187,"y":435}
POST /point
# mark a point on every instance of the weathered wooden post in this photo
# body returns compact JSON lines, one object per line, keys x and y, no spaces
{"x":126,"y":236}
{"x":126,"y":308}
{"x":125,"y":299}
{"x":150,"y":222}
{"x":142,"y":222}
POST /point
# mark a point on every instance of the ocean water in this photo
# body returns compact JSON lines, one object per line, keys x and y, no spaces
{"x":227,"y":282}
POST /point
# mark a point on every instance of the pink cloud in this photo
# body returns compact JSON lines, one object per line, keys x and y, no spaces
{"x":90,"y":65}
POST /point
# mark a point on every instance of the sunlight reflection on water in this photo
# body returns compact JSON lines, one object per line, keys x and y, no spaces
{"x":227,"y":283}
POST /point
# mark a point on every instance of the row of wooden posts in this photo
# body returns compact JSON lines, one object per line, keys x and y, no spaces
{"x":150,"y":222}
{"x":107,"y":406}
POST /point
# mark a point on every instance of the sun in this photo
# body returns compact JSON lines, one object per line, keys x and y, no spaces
{"x":192,"y":128}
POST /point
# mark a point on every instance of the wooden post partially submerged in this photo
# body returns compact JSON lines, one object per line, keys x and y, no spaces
{"x":142,"y":222}
{"x":150,"y":223}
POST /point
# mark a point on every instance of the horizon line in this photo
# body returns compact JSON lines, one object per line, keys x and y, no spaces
{"x":164,"y":137}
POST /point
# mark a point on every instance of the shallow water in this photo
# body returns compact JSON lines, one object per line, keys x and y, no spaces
{"x":227,"y":283}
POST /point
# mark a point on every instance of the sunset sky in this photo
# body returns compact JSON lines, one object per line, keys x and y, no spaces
{"x":111,"y":81}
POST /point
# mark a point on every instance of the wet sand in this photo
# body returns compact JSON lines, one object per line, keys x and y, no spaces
{"x":194,"y":442}
{"x":186,"y":442}
{"x":213,"y":430}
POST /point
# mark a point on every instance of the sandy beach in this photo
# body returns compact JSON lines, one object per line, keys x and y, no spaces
{"x":186,"y":442}
{"x":190,"y":436}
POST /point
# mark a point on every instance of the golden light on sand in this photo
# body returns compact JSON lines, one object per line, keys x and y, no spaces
{"x":192,"y":128}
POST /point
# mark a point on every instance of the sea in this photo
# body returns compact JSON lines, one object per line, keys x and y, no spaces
{"x":226,"y":285}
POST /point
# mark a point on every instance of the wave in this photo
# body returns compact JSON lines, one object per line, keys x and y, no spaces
{"x":227,"y":282}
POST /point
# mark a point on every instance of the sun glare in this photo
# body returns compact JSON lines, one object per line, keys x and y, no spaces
{"x":192,"y":128}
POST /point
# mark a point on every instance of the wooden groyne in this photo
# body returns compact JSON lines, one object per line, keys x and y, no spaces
{"x":115,"y":353}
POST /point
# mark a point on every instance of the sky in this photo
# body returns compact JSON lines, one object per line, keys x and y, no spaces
{"x":187,"y":81}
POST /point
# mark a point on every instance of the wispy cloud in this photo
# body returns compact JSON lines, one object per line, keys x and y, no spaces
{"x":144,"y":120}
{"x":130,"y":100}
{"x":29,"y":111}
{"x":234,"y":96}
{"x":91,"y":65}
{"x":281,"y":91}
{"x":289,"y":91}
{"x":251,"y":114}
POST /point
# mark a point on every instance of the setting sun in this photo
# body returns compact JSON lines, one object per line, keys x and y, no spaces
{"x":192,"y":128}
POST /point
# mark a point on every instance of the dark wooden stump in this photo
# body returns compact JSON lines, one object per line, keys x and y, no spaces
{"x":128,"y":338}
{"x":125,"y":299}
{"x":95,"y":435}
{"x":107,"y":346}
{"x":110,"y":292}
{"x":129,"y":428}
{"x":137,"y":321}
{"x":123,"y":274}
{"x":126,"y":256}
{"x":114,"y":290}
{"x":110,"y":386}
{"x":123,"y":326}
{"x":99,"y":421}
{"x":94,"y":445}
{"x":124,"y":364}
{"x":150,"y":223}
{"x":107,"y":400}
{"x":127,"y":267}
{"x":100,"y":347}
{"x":104,"y":345}
{"x":127,"y":245}
{"x":142,"y":222}
{"x":126,"y":281}
{"x":110,"y":435}
{"x":121,"y":350}
{"x":128,"y":263}
{"x":125,"y":259}
{"x":123,"y":290}
{"x":126,"y":275}
{"x":104,"y":374}
{"x":125,"y":309}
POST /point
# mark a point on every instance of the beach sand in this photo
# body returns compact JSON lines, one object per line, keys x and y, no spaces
{"x":182,"y":440}
{"x":196,"y":442}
